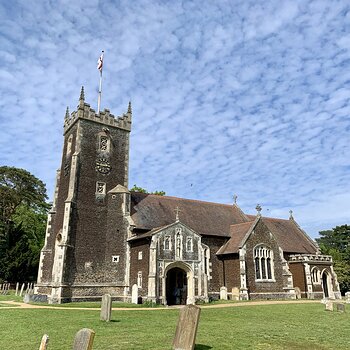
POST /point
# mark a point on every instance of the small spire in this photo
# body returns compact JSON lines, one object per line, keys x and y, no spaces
{"x":258,"y":209}
{"x":291,"y":215}
{"x":67,"y":113}
{"x":235,"y":199}
{"x":82,"y":94}
{"x":129,"y":108}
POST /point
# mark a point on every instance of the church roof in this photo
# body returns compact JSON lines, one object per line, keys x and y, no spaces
{"x":149,"y":211}
{"x":288,"y":234}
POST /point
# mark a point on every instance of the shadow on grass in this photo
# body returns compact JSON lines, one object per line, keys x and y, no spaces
{"x":202,"y":347}
{"x":115,"y":321}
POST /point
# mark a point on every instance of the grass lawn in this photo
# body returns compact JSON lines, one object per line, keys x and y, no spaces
{"x":293,"y":326}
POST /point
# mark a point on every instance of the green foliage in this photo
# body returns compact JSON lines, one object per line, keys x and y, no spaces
{"x":142,"y":190}
{"x":23,"y":214}
{"x":336,"y":242}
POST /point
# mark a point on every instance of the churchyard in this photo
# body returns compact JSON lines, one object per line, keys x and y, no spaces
{"x":241,"y":325}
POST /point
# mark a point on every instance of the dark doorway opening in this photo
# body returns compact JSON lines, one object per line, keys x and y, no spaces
{"x":176,"y":287}
{"x":325,"y":285}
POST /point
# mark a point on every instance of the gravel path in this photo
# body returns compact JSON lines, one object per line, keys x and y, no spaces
{"x":19,"y":305}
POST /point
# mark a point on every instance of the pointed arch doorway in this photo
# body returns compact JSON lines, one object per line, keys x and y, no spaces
{"x":325,"y":284}
{"x":178,"y":284}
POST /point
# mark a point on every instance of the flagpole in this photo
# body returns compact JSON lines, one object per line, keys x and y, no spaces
{"x":99,"y":94}
{"x":100,"y":68}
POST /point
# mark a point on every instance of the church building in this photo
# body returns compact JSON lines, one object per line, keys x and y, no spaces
{"x":101,"y":238}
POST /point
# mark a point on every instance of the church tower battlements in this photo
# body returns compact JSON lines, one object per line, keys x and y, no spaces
{"x":85,"y":251}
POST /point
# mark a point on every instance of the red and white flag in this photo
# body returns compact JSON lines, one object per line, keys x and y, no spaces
{"x":100,"y":62}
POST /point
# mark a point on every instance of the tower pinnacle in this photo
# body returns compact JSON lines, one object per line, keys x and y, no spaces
{"x":129,"y":108}
{"x":67,"y":113}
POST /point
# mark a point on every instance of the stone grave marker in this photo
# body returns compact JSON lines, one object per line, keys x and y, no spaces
{"x":347,"y":297}
{"x":20,"y":294}
{"x":235,"y":293}
{"x":329,"y":305}
{"x":17,"y":287}
{"x":340,"y":307}
{"x":135,"y":294}
{"x":223,"y":293}
{"x":106,"y":308}
{"x":297,"y":292}
{"x":186,"y":330}
{"x":44,"y":342}
{"x":84,"y":339}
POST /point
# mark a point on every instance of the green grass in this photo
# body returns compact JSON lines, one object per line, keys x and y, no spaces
{"x":293,"y":326}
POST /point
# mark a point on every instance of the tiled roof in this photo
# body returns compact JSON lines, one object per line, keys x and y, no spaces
{"x":152,"y":211}
{"x":206,"y":218}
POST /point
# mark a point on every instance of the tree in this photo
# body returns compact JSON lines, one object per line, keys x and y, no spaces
{"x":142,"y":190}
{"x":23,"y":213}
{"x":336,"y":242}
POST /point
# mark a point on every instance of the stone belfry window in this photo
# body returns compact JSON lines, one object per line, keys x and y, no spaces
{"x":264,"y":266}
{"x":103,"y":143}
{"x":69,"y":145}
{"x":100,"y":188}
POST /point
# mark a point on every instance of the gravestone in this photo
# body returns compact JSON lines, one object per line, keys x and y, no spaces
{"x":223,"y":293}
{"x":347,"y":297}
{"x":135,"y":294}
{"x":235,"y":293}
{"x":106,"y":308}
{"x":84,"y":339}
{"x":186,"y":330}
{"x":329,"y":305}
{"x":44,"y":342}
{"x":17,"y":287}
{"x":20,"y":294}
{"x":340,"y":307}
{"x":297,"y":292}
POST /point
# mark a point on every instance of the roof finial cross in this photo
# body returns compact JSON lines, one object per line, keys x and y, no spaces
{"x":235,"y":199}
{"x":258,"y":209}
{"x":177,"y":210}
{"x":291,"y":215}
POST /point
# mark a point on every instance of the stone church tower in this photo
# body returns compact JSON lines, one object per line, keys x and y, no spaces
{"x":86,"y":252}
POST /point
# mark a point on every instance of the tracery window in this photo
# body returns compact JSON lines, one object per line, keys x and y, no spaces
{"x":69,"y":145}
{"x":264,"y":267}
{"x":167,"y":243}
{"x":100,"y":188}
{"x":103,"y":143}
{"x":315,"y":274}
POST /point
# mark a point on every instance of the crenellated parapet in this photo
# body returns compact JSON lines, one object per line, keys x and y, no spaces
{"x":310,"y":258}
{"x":105,"y":117}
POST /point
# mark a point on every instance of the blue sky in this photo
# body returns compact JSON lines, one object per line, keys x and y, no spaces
{"x":229,"y":97}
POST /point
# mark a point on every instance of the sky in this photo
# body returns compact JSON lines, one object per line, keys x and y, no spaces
{"x":229,"y":97}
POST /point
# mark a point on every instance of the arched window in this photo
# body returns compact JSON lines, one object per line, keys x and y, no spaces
{"x":189,"y":244}
{"x":167,"y":243}
{"x":315,"y":275}
{"x":264,"y":267}
{"x":103,"y":143}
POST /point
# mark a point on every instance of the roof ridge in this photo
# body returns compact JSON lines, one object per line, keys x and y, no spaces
{"x":186,"y":199}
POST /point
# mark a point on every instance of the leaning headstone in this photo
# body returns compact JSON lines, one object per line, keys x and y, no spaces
{"x":223,"y":293}
{"x":186,"y":330}
{"x":44,"y":342}
{"x":347,"y":297}
{"x":135,"y":294}
{"x":17,"y":287}
{"x":28,"y":286}
{"x":235,"y":293}
{"x":20,"y":294}
{"x":84,"y":339}
{"x":297,"y":292}
{"x":329,"y":305}
{"x":106,"y":308}
{"x":340,"y":307}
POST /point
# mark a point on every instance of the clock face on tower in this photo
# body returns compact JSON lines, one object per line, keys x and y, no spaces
{"x":103,"y":165}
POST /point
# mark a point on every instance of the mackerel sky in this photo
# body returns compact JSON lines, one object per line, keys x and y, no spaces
{"x":229,"y":97}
